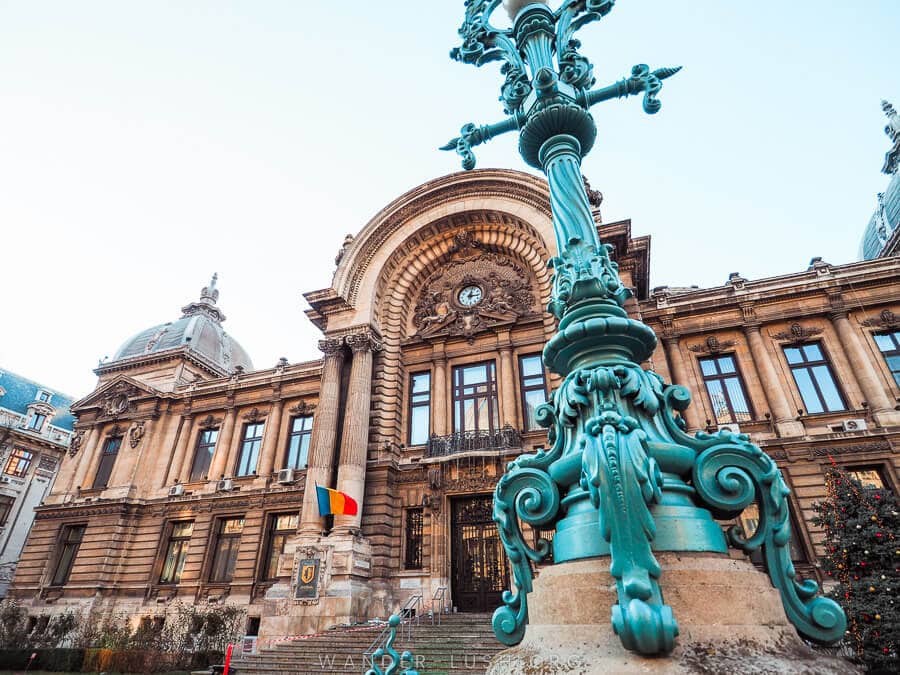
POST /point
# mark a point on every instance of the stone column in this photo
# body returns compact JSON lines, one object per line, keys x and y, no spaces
{"x":680,"y":375}
{"x":270,"y":442}
{"x":89,"y":459}
{"x":65,"y":479}
{"x":439,"y":391}
{"x":785,"y":421}
{"x":182,"y":448}
{"x":861,"y":362}
{"x":507,"y":388}
{"x":223,"y":446}
{"x":324,"y":435}
{"x":355,"y":438}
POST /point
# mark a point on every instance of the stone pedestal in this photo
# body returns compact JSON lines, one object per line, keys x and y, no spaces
{"x":730,"y":620}
{"x":344,"y":593}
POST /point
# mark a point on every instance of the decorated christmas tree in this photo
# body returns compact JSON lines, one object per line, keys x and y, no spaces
{"x":862,"y":555}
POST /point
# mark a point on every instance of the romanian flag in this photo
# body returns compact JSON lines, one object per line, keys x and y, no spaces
{"x":335,"y":502}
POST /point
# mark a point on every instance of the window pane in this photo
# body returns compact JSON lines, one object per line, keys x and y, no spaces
{"x":474,"y":374}
{"x":739,"y":406}
{"x":287,"y":522}
{"x":829,"y":389}
{"x":182,"y":529}
{"x":813,"y":352}
{"x":533,"y":399}
{"x":413,"y":557}
{"x":419,"y":425}
{"x":719,"y":404}
{"x":807,"y":391}
{"x":885,"y":342}
{"x":421,"y":383}
{"x":531,"y":365}
{"x":870,"y":478}
{"x":233,"y":526}
{"x":793,"y":355}
{"x":726,"y":364}
{"x":708,"y":366}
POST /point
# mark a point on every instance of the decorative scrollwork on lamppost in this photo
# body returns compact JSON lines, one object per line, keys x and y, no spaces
{"x":622,"y":478}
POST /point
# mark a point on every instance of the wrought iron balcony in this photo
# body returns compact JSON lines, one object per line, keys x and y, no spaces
{"x":473,"y":441}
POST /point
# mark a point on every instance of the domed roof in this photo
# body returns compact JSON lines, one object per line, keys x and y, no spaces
{"x":883,"y":222}
{"x":199,"y":329}
{"x":886,"y":219}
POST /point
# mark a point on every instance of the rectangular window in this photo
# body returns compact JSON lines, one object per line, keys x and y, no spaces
{"x":44,"y":397}
{"x":475,"y":398}
{"x":414,"y":522}
{"x":889,"y":345}
{"x":107,"y":461}
{"x":869,"y":476}
{"x":726,"y":389}
{"x":206,"y":446}
{"x":814,"y":378}
{"x":69,"y":542}
{"x":281,"y":526}
{"x":18,"y":462}
{"x":749,"y":520}
{"x":6,"y":504}
{"x":225,"y":550}
{"x":250,"y":445}
{"x":534,"y":388}
{"x":36,"y":423}
{"x":298,"y":442}
{"x":176,"y":552}
{"x":419,"y":408}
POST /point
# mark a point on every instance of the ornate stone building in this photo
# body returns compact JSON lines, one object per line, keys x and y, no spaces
{"x":35,"y":428}
{"x":192,"y":476}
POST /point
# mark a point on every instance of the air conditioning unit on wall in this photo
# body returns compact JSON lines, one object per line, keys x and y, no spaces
{"x":286,"y":476}
{"x":732,"y":427}
{"x":225,"y":485}
{"x":857,"y":424}
{"x":176,"y":490}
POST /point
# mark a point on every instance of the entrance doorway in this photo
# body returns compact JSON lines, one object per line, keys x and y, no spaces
{"x":480,"y":570}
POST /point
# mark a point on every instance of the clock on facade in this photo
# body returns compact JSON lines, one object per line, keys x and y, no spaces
{"x":470,"y":295}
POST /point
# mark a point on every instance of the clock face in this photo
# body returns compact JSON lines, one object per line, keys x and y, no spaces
{"x":470,"y":295}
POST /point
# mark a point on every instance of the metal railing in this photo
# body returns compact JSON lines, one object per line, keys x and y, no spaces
{"x":410,"y":614}
{"x":472,"y":441}
{"x":440,"y":595}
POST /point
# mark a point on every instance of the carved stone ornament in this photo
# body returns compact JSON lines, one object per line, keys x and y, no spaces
{"x":254,"y":415}
{"x":115,"y":431}
{"x":473,"y":291}
{"x":362,"y":342}
{"x":135,"y":434}
{"x":302,"y":408}
{"x":887,"y":319}
{"x":115,"y":405}
{"x":595,"y":197}
{"x":712,"y":345}
{"x":75,"y":443}
{"x":210,"y":422}
{"x":331,"y":346}
{"x":797,"y":333}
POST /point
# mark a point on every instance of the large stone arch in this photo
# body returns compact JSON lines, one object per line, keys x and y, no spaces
{"x":354,"y":295}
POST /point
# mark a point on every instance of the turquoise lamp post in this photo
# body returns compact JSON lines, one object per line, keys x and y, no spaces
{"x":622,"y":478}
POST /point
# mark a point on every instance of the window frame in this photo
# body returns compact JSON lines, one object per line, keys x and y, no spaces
{"x":36,"y":422}
{"x":16,"y":455}
{"x":269,"y":548}
{"x":292,"y":434}
{"x":6,"y":506}
{"x":44,"y":396}
{"x":807,"y":365}
{"x":414,"y":533}
{"x":201,"y":445}
{"x":219,"y":535}
{"x":171,"y":539}
{"x":248,"y":442}
{"x":524,"y":389}
{"x":492,"y":396}
{"x":64,"y":543}
{"x":721,"y":377}
{"x":894,"y":334}
{"x":877,"y":467}
{"x":104,"y":461}
{"x":411,"y":405}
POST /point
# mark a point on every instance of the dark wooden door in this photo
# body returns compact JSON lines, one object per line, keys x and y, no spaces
{"x":480,"y":569}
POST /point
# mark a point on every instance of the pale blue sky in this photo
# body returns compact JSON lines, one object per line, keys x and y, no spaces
{"x":144,"y":145}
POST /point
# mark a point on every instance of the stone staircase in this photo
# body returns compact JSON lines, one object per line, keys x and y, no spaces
{"x":461,"y":645}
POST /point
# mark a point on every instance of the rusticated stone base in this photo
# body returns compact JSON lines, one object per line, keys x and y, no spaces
{"x":730,"y":620}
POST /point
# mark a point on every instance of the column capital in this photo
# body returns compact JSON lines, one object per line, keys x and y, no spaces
{"x":331,"y":346}
{"x":752,"y":327}
{"x":363,"y":342}
{"x":837,"y":314}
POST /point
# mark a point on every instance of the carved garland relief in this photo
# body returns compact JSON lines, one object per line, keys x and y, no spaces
{"x":474,"y":290}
